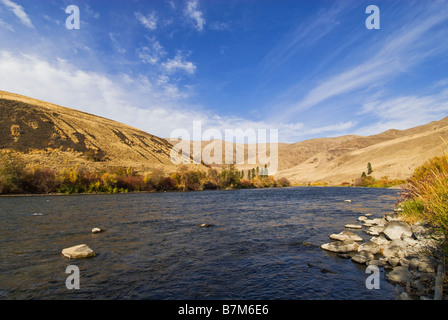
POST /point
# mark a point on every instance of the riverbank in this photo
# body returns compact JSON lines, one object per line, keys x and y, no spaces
{"x":408,"y":253}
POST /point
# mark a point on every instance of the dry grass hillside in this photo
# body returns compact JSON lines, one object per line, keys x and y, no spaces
{"x":394,"y":154}
{"x":54,"y":136}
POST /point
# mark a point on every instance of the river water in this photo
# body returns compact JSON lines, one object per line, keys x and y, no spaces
{"x":261,"y":244}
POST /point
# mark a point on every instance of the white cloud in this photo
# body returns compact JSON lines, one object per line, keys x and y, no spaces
{"x":179,"y":63}
{"x":19,"y":12}
{"x":398,"y":53}
{"x":151,"y":54}
{"x":219,"y":26}
{"x":150,"y":21}
{"x":116,"y":45}
{"x":404,"y":112}
{"x":6,"y":26}
{"x":192,"y":11}
{"x":157,"y":107}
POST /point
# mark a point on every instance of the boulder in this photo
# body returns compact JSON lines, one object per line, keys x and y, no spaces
{"x":79,"y":251}
{"x":400,"y":274}
{"x":395,"y":229}
{"x":362,"y":257}
{"x":341,"y":246}
{"x":362,"y":218}
{"x":97,"y":230}
{"x":370,"y":246}
{"x":375,"y":230}
{"x":346,"y":235}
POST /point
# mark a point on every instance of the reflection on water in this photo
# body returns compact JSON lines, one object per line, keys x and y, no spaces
{"x":261,"y":244}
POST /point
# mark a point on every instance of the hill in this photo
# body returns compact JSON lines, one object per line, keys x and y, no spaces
{"x":394,"y":153}
{"x":53,"y":136}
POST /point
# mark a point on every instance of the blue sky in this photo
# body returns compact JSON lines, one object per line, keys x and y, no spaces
{"x":309,"y":68}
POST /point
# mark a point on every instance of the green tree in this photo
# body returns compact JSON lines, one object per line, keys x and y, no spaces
{"x":369,"y":168}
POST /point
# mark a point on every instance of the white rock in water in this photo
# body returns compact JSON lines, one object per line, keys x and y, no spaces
{"x":353,"y":226}
{"x":341,"y":246}
{"x":79,"y":251}
{"x":345,"y":235}
{"x":97,"y":230}
{"x":348,"y":201}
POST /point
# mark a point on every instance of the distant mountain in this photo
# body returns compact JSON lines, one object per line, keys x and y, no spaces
{"x":55,"y":136}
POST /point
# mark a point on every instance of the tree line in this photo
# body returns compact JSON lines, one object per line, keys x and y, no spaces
{"x":17,"y":178}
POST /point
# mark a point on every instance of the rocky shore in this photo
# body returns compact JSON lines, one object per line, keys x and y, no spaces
{"x":407,"y":253}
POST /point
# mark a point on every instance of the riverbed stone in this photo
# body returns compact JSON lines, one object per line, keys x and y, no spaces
{"x":362,"y":257}
{"x":341,"y":246}
{"x":400,"y":274}
{"x":346,"y":235}
{"x":370,"y":246}
{"x":79,"y":251}
{"x":395,"y":229}
{"x":353,"y":226}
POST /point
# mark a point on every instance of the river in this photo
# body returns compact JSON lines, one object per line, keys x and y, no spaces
{"x":261,"y":244}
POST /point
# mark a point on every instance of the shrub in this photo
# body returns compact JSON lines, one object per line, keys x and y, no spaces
{"x":12,"y":173}
{"x":427,"y":198}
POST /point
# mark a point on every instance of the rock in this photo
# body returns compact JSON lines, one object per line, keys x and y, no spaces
{"x":370,"y":246}
{"x":344,"y":255}
{"x":419,"y":231}
{"x":97,"y":230}
{"x":362,"y":257}
{"x":362,"y":218}
{"x":408,"y":241}
{"x":375,"y":230}
{"x":381,"y":241}
{"x":341,"y":246}
{"x":395,"y":229}
{"x":79,"y":251}
{"x":379,"y":263}
{"x":400,"y":275}
{"x":393,"y":261}
{"x":326,"y":271}
{"x":205,"y":225}
{"x":404,"y":296}
{"x":348,"y":201}
{"x":346,"y":235}
{"x":391,"y":217}
{"x":353,"y":226}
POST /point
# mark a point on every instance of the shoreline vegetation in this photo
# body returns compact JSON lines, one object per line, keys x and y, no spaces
{"x":18,"y":179}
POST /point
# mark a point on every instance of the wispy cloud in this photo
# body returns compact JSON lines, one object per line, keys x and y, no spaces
{"x":149,"y":21}
{"x":6,"y":25}
{"x":398,"y":53}
{"x":193,"y":12}
{"x":404,"y":111}
{"x":153,"y":53}
{"x":179,"y":63}
{"x":116,"y":45}
{"x":19,"y":12}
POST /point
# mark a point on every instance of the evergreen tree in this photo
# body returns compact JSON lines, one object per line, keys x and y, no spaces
{"x":369,"y":168}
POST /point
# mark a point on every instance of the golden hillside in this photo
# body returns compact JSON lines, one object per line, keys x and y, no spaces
{"x":54,"y":136}
{"x":394,"y":153}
